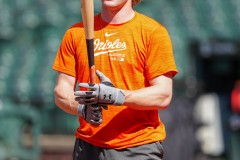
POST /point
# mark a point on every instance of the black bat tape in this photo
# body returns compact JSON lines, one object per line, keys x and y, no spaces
{"x":90,"y":50}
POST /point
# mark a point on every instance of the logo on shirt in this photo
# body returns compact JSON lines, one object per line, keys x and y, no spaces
{"x":117,"y":57}
{"x":109,"y":34}
{"x":112,"y":48}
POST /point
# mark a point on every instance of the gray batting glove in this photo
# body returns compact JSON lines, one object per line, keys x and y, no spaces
{"x":90,"y":113}
{"x":102,"y":94}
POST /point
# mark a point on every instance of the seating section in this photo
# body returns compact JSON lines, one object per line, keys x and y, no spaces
{"x":189,"y":20}
{"x":19,"y":132}
{"x":31,"y":32}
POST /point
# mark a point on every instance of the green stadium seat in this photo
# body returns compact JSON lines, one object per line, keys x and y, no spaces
{"x":18,"y":122}
{"x":7,"y":60}
{"x":65,"y":123}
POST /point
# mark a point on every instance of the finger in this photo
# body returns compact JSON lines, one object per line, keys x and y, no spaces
{"x":96,"y":107}
{"x":85,"y":93}
{"x":97,"y":115}
{"x":86,"y":101}
{"x":89,"y":86}
{"x":104,"y":107}
{"x":96,"y":110}
{"x":96,"y":122}
{"x":102,"y":77}
{"x":96,"y":118}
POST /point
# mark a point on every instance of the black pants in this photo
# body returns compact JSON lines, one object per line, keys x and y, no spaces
{"x":86,"y":151}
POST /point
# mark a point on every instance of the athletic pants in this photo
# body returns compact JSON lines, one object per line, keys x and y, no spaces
{"x":86,"y":151}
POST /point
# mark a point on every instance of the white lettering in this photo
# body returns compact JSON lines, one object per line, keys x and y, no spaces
{"x":108,"y":46}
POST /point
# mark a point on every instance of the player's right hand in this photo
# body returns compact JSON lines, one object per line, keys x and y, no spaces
{"x":91,"y":113}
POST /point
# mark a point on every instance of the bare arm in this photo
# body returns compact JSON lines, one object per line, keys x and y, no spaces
{"x":157,"y":96}
{"x":64,"y":93}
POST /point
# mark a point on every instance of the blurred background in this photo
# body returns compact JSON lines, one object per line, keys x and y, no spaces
{"x":203,"y":120}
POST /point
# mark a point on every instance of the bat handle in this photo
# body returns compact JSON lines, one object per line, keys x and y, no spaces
{"x":93,"y":74}
{"x":90,"y":50}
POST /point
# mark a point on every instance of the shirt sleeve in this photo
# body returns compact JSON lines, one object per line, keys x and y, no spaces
{"x":160,"y":58}
{"x":65,"y":59}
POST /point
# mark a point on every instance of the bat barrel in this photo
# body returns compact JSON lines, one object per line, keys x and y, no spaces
{"x":87,"y":9}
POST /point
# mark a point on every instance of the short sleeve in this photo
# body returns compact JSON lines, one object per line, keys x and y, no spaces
{"x":160,"y":58}
{"x":65,"y":59}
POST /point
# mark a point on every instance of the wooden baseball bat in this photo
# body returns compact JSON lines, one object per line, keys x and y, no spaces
{"x":87,"y":10}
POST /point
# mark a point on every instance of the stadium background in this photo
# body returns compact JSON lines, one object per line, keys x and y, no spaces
{"x":205,"y":36}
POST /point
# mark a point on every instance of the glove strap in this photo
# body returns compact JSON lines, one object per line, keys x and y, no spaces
{"x":120,"y":98}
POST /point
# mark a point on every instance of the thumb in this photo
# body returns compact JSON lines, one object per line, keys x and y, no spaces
{"x":102,"y":77}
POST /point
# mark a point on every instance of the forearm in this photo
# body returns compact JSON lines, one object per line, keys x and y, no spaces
{"x":150,"y":98}
{"x":66,"y":101}
{"x":64,"y":93}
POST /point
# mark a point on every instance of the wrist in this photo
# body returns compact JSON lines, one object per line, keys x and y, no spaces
{"x":120,"y":98}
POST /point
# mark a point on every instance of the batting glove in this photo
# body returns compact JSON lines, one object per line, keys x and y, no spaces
{"x":90,"y":113}
{"x":104,"y":93}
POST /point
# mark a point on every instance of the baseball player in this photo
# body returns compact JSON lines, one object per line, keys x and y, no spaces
{"x":118,"y":115}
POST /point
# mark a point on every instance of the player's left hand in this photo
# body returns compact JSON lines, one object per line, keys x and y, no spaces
{"x":102,"y":94}
{"x":91,"y":113}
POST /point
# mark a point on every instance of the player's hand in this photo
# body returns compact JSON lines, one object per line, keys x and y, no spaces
{"x":102,"y":94}
{"x":91,"y":113}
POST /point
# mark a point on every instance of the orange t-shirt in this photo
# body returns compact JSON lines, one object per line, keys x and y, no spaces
{"x":130,"y":54}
